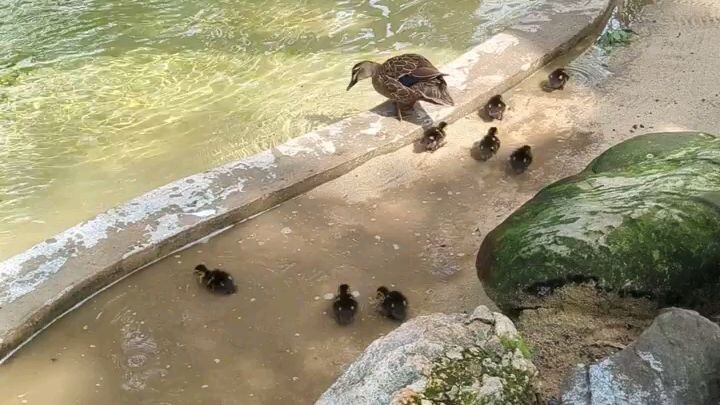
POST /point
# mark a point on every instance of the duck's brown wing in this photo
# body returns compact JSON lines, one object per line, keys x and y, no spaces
{"x":408,"y":63}
{"x":398,"y":92}
{"x":435,"y":91}
{"x":418,"y":75}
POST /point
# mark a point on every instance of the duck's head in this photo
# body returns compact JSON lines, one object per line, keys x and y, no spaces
{"x":343,"y":289}
{"x":559,"y":74}
{"x":496,"y":101}
{"x":200,"y":269}
{"x":361,"y":71}
{"x":382,"y":292}
{"x":492,"y":131}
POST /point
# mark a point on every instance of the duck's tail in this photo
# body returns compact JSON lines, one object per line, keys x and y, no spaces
{"x":435,"y":91}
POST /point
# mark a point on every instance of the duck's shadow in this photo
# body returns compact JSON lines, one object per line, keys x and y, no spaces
{"x":416,"y":115}
{"x":482,"y":113}
{"x":545,"y":86}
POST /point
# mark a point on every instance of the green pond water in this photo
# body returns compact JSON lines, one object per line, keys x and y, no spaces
{"x":103,"y":100}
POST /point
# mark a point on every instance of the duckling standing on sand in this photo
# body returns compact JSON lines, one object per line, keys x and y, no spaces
{"x":487,"y":147}
{"x":393,"y":304}
{"x":217,"y":281}
{"x":495,"y":107}
{"x":434,"y":137}
{"x":521,"y":159}
{"x":344,"y":306}
{"x":557,"y":79}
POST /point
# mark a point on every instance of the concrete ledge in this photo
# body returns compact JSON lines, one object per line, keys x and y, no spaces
{"x":45,"y":281}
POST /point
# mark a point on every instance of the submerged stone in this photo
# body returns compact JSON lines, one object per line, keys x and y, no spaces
{"x":643,"y":217}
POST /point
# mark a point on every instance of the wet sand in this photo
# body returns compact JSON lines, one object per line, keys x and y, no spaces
{"x":405,"y":219}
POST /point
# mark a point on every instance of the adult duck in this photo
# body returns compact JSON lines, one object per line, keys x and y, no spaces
{"x":405,"y":80}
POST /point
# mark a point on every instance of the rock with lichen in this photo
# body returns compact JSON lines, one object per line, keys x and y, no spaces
{"x":441,"y":358}
{"x":644,"y":217}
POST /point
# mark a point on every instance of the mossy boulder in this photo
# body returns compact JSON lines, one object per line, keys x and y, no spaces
{"x":644,"y":217}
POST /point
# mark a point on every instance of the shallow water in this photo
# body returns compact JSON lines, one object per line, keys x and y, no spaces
{"x":103,"y":100}
{"x":159,"y":338}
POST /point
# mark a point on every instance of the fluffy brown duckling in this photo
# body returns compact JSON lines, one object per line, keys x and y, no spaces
{"x":521,"y":159}
{"x":393,"y":304}
{"x":344,"y":306}
{"x":557,"y":79}
{"x":434,"y":137}
{"x":495,"y":107}
{"x":487,"y":147}
{"x":216,"y":281}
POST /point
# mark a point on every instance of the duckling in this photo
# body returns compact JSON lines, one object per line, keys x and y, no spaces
{"x":487,"y":147}
{"x":393,"y":304}
{"x":557,"y":79}
{"x":495,"y":107}
{"x":521,"y":159}
{"x":344,"y":306}
{"x":217,"y":281}
{"x":434,"y":137}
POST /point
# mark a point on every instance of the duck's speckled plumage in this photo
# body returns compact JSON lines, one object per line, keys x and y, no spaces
{"x":405,"y":79}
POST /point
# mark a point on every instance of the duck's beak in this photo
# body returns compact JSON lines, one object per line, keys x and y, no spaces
{"x":352,"y":82}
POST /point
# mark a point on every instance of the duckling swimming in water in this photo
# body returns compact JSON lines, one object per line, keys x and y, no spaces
{"x":487,"y":147}
{"x":557,"y":79}
{"x":393,"y":304}
{"x":217,"y":281}
{"x":434,"y":137}
{"x":521,"y":159}
{"x":495,"y":107}
{"x":344,"y":306}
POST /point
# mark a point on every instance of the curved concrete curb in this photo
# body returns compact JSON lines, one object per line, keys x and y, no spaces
{"x":45,"y":281}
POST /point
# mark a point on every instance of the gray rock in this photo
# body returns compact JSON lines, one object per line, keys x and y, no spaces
{"x":504,"y":326}
{"x":438,"y":358}
{"x":483,"y":314}
{"x":675,"y":361}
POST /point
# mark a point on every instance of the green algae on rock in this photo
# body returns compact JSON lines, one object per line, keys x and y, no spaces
{"x":480,"y":377}
{"x":642,"y":217}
